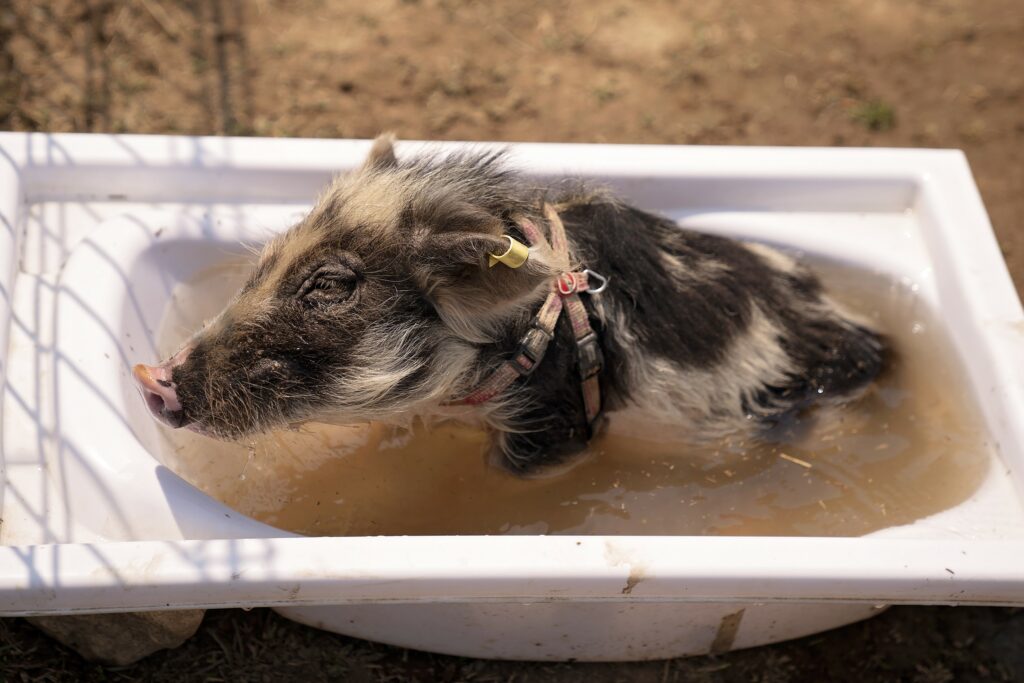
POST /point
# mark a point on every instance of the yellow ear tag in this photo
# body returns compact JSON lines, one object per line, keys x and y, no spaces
{"x":514,"y":256}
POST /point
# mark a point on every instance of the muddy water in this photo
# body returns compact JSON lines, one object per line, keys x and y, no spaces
{"x":914,"y":445}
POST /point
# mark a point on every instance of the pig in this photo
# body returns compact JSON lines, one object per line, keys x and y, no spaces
{"x":383,"y":304}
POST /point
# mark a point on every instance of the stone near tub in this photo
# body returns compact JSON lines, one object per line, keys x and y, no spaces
{"x":123,"y":638}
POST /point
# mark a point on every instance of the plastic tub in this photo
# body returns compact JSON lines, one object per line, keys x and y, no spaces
{"x":96,"y":230}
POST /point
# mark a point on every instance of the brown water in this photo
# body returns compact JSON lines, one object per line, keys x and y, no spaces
{"x":913,"y":446}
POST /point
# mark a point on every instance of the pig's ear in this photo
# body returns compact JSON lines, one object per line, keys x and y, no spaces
{"x":451,"y":256}
{"x":472,"y":297}
{"x":382,"y":153}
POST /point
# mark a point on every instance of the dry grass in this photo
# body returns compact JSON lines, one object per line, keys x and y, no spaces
{"x":925,"y":645}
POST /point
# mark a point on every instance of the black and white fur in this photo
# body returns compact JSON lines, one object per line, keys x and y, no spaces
{"x":713,"y":336}
{"x":380,"y":305}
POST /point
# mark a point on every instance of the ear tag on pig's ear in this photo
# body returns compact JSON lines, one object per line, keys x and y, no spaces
{"x":514,"y":256}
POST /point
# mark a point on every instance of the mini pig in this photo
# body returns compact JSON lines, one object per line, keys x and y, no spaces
{"x":385,"y":303}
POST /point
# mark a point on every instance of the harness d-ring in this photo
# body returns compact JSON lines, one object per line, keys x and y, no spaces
{"x":591,"y":275}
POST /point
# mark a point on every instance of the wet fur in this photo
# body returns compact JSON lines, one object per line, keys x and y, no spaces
{"x":704,"y":332}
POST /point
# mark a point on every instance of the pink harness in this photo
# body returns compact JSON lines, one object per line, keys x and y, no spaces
{"x":565,"y":291}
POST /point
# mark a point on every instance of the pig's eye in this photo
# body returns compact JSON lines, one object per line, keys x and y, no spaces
{"x":328,"y":285}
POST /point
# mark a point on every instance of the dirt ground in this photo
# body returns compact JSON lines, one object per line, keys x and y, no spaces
{"x":921,"y":73}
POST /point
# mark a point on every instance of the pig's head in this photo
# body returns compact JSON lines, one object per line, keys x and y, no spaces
{"x":373,"y":307}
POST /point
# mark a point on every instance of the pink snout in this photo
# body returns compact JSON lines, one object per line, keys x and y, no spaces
{"x":159,"y":391}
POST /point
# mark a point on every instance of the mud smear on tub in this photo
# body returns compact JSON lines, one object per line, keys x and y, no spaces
{"x":913,"y":446}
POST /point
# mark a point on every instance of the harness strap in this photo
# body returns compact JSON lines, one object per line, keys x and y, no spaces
{"x":568,"y":286}
{"x":564,"y":295}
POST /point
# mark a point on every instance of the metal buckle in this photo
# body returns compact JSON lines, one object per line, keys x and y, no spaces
{"x":591,"y":360}
{"x":526,"y":349}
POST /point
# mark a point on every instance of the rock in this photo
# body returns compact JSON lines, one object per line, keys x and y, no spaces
{"x":121,"y":639}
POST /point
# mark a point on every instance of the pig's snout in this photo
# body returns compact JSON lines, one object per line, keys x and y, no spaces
{"x":159,"y":391}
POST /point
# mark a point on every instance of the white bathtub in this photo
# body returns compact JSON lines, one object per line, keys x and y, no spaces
{"x":96,"y":230}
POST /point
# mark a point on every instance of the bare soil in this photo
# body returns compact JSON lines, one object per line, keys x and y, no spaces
{"x":920,"y":73}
